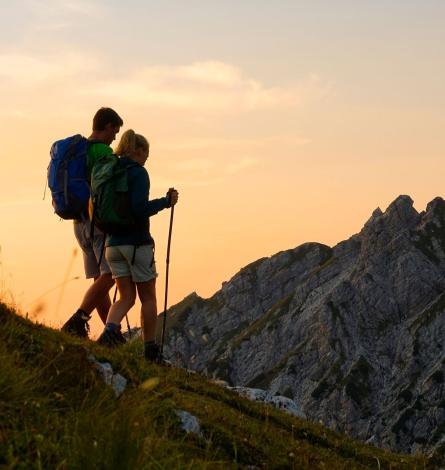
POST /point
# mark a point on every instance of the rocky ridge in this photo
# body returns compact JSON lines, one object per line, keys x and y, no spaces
{"x":353,"y":333}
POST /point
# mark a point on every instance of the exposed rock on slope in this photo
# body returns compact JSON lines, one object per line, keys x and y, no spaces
{"x":353,"y":333}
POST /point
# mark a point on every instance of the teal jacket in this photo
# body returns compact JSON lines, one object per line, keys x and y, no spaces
{"x":141,"y":207}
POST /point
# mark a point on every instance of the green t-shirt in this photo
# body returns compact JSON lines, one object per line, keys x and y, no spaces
{"x":96,"y":151}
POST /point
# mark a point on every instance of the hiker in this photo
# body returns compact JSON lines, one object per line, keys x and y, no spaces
{"x":131,"y":255}
{"x":106,"y":124}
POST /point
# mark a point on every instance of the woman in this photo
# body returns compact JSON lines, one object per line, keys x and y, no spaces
{"x":131,"y":256}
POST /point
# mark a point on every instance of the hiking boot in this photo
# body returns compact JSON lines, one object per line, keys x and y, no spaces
{"x":77,"y":325}
{"x":152,"y":352}
{"x":111,"y":338}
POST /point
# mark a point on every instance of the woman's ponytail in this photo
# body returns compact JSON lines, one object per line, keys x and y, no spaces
{"x":129,"y":142}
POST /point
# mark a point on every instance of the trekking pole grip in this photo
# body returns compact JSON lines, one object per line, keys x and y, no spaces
{"x":170,"y":190}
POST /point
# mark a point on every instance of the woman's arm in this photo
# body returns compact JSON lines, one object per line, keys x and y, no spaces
{"x":141,"y":206}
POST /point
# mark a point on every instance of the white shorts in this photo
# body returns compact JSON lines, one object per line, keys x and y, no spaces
{"x":120,"y":259}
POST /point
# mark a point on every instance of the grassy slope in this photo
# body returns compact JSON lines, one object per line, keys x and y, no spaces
{"x":55,"y":413}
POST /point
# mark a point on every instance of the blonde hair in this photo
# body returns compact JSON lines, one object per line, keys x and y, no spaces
{"x":130,"y":141}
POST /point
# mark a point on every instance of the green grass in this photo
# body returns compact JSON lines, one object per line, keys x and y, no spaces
{"x":56,"y":413}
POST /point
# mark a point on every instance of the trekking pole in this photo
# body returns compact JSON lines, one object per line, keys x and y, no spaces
{"x":166,"y":276}
{"x":128,"y":326}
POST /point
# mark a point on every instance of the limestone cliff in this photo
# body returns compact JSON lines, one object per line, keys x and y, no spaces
{"x":354,"y":333}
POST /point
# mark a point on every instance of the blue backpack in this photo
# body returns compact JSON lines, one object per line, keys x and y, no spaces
{"x":67,"y":177}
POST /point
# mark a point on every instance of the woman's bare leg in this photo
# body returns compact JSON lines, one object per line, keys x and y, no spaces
{"x":149,"y":310}
{"x":127,"y":296}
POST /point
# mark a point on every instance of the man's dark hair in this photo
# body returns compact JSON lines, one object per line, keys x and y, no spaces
{"x":105,"y":116}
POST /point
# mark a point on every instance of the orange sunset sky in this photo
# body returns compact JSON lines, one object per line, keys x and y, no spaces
{"x":278,"y":122}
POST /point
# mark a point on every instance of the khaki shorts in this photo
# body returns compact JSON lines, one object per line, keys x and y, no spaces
{"x":120,"y":260}
{"x":91,"y":249}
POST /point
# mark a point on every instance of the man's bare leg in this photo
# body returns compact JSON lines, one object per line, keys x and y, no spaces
{"x":103,"y":307}
{"x":97,"y":296}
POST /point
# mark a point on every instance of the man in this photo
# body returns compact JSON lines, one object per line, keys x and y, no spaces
{"x":106,"y":124}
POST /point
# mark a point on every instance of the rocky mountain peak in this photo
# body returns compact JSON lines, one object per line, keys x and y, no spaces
{"x":402,"y":202}
{"x":435,"y":212}
{"x":436,"y":205}
{"x":401,"y":212}
{"x":354,"y":333}
{"x":399,"y":218}
{"x":375,"y":217}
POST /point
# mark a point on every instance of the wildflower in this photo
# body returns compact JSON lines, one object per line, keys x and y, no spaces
{"x":150,"y":384}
